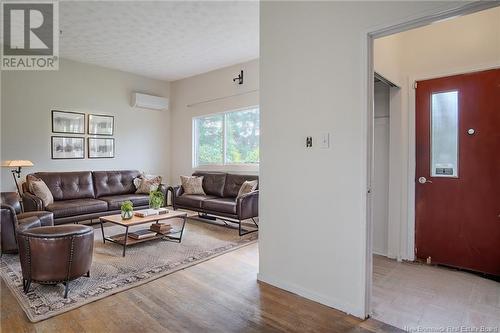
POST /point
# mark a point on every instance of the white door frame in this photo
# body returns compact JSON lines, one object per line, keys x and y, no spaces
{"x":368,"y":37}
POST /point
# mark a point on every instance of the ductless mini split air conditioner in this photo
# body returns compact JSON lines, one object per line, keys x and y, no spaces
{"x":144,"y":101}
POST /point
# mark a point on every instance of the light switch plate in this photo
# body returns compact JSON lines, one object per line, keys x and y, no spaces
{"x":309,"y":142}
{"x":324,"y":140}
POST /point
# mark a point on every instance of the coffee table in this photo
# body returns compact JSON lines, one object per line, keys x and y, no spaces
{"x":124,"y":239}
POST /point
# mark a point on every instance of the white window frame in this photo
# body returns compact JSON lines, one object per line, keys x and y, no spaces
{"x":253,"y":167}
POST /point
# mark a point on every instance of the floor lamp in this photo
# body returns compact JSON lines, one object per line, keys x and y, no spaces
{"x":17,"y":166}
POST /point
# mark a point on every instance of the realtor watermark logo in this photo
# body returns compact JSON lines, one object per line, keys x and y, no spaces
{"x":30,"y":35}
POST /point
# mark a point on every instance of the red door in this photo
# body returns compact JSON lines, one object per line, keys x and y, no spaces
{"x":457,"y":199}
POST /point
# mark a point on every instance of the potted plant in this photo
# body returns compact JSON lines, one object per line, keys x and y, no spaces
{"x":156,"y":199}
{"x":127,"y":210}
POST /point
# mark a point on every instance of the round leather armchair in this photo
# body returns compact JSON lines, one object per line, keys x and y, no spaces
{"x":58,"y":254}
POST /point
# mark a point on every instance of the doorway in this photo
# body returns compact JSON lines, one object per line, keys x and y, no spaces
{"x":404,"y":292}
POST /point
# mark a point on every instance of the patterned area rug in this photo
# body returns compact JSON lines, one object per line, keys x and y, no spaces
{"x":111,"y":273}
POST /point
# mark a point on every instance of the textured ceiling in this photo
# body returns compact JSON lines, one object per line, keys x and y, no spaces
{"x":163,"y":40}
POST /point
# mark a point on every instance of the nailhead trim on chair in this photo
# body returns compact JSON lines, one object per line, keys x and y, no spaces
{"x":28,"y":256}
{"x":71,"y":250}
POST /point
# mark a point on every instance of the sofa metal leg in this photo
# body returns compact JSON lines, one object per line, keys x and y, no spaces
{"x":26,"y":285}
{"x":243,"y":232}
{"x":66,"y":289}
{"x":88,"y":274}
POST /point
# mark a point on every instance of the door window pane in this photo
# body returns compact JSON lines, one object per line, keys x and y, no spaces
{"x":242,"y":137}
{"x":209,"y":140}
{"x":444,"y":134}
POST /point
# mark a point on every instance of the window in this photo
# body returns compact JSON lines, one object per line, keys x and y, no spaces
{"x":227,"y":138}
{"x":444,"y":137}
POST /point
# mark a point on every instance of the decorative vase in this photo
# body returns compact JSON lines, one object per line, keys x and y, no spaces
{"x":127,"y":214}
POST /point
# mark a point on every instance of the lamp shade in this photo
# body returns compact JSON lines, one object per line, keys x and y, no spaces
{"x":17,"y":163}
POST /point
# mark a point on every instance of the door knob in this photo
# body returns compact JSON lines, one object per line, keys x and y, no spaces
{"x":423,"y":180}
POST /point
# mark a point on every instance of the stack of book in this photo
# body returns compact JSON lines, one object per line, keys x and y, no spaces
{"x":161,"y":228}
{"x":150,"y":212}
{"x":141,"y":234}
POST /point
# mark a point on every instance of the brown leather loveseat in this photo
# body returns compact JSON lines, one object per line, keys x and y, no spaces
{"x":85,"y":195}
{"x":220,"y":199}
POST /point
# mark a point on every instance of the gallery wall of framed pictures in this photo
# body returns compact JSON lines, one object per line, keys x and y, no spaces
{"x":69,"y":144}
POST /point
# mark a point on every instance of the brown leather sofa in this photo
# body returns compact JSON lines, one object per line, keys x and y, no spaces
{"x":220,"y":199}
{"x":58,"y":254}
{"x":13,"y":220}
{"x":86,"y":195}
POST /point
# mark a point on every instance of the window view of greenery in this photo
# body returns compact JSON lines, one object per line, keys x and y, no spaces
{"x":229,"y":138}
{"x":209,"y":140}
{"x":242,"y":137}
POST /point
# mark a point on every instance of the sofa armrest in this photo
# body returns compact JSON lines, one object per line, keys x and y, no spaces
{"x":32,"y":203}
{"x":177,"y":191}
{"x":247,"y":206}
{"x":8,"y":221}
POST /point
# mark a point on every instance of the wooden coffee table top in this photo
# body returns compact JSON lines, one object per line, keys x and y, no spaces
{"x":136,"y":220}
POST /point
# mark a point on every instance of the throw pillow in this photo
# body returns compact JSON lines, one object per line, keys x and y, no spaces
{"x":137,"y":181}
{"x":40,"y":189}
{"x":247,"y":187}
{"x":192,"y":184}
{"x":148,"y":184}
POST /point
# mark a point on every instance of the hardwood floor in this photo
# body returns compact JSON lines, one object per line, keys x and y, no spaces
{"x":220,"y":295}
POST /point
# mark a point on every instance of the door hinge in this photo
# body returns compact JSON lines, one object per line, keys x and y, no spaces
{"x":415,"y":84}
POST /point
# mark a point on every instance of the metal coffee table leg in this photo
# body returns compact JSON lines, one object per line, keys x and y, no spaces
{"x":102,"y":230}
{"x":125,"y":241}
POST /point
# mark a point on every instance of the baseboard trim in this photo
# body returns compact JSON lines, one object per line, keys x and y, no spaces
{"x":380,"y":253}
{"x":293,"y":288}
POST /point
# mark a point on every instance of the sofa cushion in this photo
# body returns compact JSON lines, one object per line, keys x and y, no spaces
{"x":28,"y":223}
{"x":77,"y":207}
{"x":68,"y":185}
{"x":115,"y":201}
{"x":114,"y":182}
{"x":234,"y":182}
{"x":192,"y":200}
{"x":213,"y":182}
{"x":46,"y":218}
{"x":223,"y":205}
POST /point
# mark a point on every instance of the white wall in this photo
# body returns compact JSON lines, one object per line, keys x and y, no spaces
{"x":380,"y":185}
{"x":459,"y":45}
{"x":313,"y":71}
{"x":201,"y":88}
{"x":141,"y":136}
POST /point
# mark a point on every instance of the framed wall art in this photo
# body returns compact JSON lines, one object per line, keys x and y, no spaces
{"x":68,"y":122}
{"x":101,"y":147}
{"x":100,"y":124}
{"x":65,"y":147}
